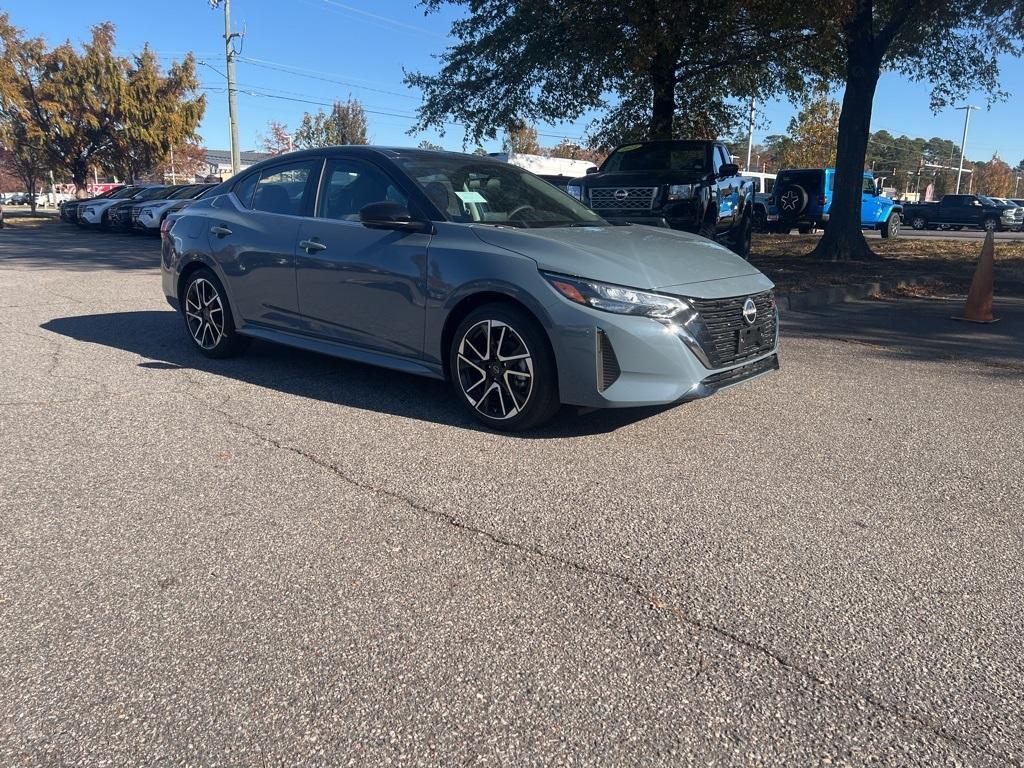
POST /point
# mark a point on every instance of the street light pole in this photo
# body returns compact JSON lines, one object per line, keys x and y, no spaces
{"x":963,"y":144}
{"x":230,"y":54}
{"x":750,"y":137}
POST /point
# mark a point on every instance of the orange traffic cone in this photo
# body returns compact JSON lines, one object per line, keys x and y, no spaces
{"x":978,"y":307}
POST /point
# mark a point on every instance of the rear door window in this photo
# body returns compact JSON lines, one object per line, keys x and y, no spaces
{"x":243,"y":189}
{"x":811,"y":181}
{"x":283,"y":188}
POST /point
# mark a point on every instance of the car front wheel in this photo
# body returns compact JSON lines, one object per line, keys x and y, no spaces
{"x":991,"y":225}
{"x":891,"y":227}
{"x":208,"y":316}
{"x":502,"y":368}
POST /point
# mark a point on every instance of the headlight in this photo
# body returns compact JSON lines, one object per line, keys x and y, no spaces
{"x":681,"y":191}
{"x":90,"y":210}
{"x":575,"y":190}
{"x":616,"y":298}
{"x":146,"y":212}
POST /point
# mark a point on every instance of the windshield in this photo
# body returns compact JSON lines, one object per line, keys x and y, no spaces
{"x":659,"y":156}
{"x":185,"y":193}
{"x":124,"y":192}
{"x":490,"y":192}
{"x":989,"y":201}
{"x":151,"y":193}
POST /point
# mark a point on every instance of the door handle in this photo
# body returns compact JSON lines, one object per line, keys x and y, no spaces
{"x":312,"y":246}
{"x":220,"y":231}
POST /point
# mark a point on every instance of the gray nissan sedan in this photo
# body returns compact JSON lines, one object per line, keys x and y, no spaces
{"x":466,"y":268}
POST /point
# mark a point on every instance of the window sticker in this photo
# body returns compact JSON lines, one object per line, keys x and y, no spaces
{"x":470,"y":197}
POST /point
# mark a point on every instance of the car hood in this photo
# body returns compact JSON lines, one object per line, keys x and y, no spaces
{"x":636,"y":256}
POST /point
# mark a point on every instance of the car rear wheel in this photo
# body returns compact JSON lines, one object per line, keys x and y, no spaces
{"x":991,"y":224}
{"x":918,"y":222}
{"x":208,"y":316}
{"x":502,"y":368}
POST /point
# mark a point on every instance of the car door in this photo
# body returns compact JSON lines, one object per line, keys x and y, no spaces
{"x":728,"y":189}
{"x":361,"y":286}
{"x":870,"y":204}
{"x":252,"y":235}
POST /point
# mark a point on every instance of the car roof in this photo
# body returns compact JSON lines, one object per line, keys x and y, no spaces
{"x":390,"y":153}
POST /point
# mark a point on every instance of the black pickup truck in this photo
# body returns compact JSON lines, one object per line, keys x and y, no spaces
{"x":687,"y":185}
{"x":959,"y":211}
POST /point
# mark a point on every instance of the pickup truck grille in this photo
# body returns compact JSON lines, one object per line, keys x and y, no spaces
{"x":622,"y":198}
{"x":724,"y":320}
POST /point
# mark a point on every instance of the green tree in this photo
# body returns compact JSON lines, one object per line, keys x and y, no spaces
{"x":654,"y":69}
{"x":812,"y":134}
{"x":93,"y":108}
{"x":346,"y":124}
{"x":157,"y":113}
{"x":25,"y":155}
{"x":430,"y":145}
{"x":954,"y":45}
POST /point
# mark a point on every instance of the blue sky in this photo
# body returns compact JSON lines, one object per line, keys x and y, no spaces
{"x":299,"y":51}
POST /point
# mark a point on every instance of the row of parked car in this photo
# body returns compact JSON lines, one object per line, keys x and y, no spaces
{"x":141,"y":208}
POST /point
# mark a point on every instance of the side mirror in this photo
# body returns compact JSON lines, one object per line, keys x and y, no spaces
{"x":390,"y":215}
{"x":592,"y":169}
{"x":729,"y":169}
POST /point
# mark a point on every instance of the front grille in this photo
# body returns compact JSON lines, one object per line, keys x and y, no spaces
{"x":608,"y":370}
{"x":135,"y":212}
{"x":623,"y":198}
{"x":735,"y":375}
{"x":724,"y":319}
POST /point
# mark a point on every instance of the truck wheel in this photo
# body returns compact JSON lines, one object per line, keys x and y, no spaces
{"x":741,"y":237}
{"x":760,"y":220}
{"x":991,"y":224}
{"x":804,"y":229}
{"x":956,"y":227}
{"x":918,"y":222}
{"x":891,"y":227}
{"x":707,"y":229}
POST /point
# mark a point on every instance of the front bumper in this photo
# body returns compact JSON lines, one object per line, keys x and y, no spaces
{"x":657,"y":363}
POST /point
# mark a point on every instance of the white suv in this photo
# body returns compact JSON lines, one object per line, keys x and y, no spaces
{"x":94,"y":212}
{"x":148,"y":216}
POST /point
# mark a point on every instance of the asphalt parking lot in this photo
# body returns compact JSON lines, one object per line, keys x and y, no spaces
{"x":285,"y":558}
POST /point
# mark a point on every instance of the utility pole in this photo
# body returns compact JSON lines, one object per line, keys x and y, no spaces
{"x":750,"y":137}
{"x":1016,"y":184}
{"x":963,"y":144}
{"x":230,"y":54}
{"x":174,"y":179}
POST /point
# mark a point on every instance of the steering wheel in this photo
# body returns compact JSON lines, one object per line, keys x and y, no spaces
{"x":520,"y":209}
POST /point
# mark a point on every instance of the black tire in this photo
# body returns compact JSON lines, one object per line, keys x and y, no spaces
{"x":990,"y":224}
{"x":918,"y":222}
{"x":707,"y":228}
{"x":518,"y":393}
{"x":211,"y":329}
{"x":805,"y":229}
{"x":956,"y":227}
{"x":760,"y":221}
{"x":891,"y":228}
{"x":741,"y":236}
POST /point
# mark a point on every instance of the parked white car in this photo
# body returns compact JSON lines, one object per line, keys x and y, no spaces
{"x":94,"y":212}
{"x":148,"y":216}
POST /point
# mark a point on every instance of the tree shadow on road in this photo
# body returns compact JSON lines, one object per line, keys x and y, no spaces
{"x":921,"y":330}
{"x":66,"y":247}
{"x":159,"y":336}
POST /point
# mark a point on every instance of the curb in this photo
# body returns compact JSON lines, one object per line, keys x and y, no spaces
{"x":836,"y":294}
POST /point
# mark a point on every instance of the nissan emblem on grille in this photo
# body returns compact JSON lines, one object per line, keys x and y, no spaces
{"x":749,"y":311}
{"x":621,"y":194}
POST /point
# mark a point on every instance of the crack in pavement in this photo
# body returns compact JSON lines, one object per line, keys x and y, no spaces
{"x":900,"y":713}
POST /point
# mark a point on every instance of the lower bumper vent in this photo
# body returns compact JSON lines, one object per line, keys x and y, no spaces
{"x":608,"y":370}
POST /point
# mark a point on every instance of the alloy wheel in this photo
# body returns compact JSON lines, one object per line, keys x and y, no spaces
{"x":204,"y":313}
{"x":495,"y":369}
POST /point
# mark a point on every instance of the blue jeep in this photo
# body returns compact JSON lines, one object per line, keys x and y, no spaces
{"x":802,"y":199}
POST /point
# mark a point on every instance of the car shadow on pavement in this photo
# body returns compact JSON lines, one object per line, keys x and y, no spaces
{"x":159,"y":336}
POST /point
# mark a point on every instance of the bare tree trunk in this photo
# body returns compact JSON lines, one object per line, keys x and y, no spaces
{"x":663,"y":105}
{"x":843,"y":239}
